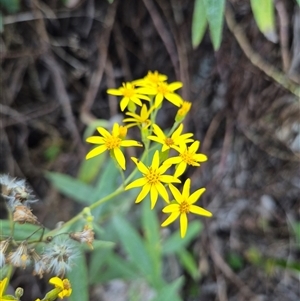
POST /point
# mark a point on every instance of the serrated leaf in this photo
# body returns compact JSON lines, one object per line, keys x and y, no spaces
{"x":71,"y":187}
{"x":133,"y":245}
{"x":175,"y":243}
{"x":78,"y":277}
{"x":199,"y":23}
{"x":215,"y":16}
{"x":264,"y":16}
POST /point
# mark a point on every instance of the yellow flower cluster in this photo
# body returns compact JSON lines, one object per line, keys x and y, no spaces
{"x":149,"y":93}
{"x":62,"y":288}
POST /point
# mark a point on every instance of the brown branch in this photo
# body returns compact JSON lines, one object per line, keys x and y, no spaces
{"x":256,"y":59}
{"x":85,"y":115}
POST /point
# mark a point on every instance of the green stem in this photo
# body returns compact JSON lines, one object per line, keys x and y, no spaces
{"x":174,"y":127}
{"x":93,"y":206}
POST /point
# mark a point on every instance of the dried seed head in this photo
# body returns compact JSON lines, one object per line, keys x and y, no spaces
{"x":86,"y":235}
{"x":59,"y":255}
{"x":23,"y":214}
{"x":19,"y":257}
{"x":16,"y":191}
{"x":40,"y":266}
{"x":4,"y":244}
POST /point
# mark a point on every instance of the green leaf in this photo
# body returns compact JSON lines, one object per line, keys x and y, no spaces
{"x":264,"y":16}
{"x":89,"y":169}
{"x":188,"y":262}
{"x":152,"y":234}
{"x":1,"y":22}
{"x":118,"y":268}
{"x":21,"y":231}
{"x":133,"y":245}
{"x":170,"y":291}
{"x":12,"y":6}
{"x":199,"y":23}
{"x":215,"y":15}
{"x":298,"y":2}
{"x":71,"y":187}
{"x":175,"y":243}
{"x":78,"y":277}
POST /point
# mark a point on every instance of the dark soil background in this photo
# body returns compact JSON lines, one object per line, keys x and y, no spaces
{"x":57,"y":63}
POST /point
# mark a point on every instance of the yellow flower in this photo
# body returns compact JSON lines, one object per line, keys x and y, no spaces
{"x":3,"y":284}
{"x":153,"y":177}
{"x":185,"y":205}
{"x":141,"y":120}
{"x":183,"y":110}
{"x":169,"y":142}
{"x":165,"y":90}
{"x":152,"y":78}
{"x":187,"y":156}
{"x":131,"y":95}
{"x":111,"y":142}
{"x":63,"y":286}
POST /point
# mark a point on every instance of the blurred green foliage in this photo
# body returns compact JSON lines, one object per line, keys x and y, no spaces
{"x":142,"y":251}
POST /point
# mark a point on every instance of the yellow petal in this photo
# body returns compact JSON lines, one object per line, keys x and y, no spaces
{"x":178,"y":131}
{"x":155,"y":160}
{"x":183,"y":224}
{"x":180,"y":169}
{"x":158,"y":99}
{"x":127,"y":143}
{"x":120,"y":157}
{"x":158,"y":132}
{"x":194,"y":147}
{"x":96,"y":151}
{"x":153,"y":196}
{"x":195,"y":196}
{"x":176,"y":194}
{"x":57,"y":282}
{"x":200,"y":157}
{"x":172,"y":160}
{"x":200,"y":211}
{"x":105,"y":133}
{"x":124,"y":103}
{"x":168,"y":179}
{"x":3,"y":286}
{"x":136,"y":100}
{"x":116,"y":92}
{"x":115,"y":129}
{"x":174,"y":86}
{"x":162,"y":191}
{"x":175,"y":99}
{"x":136,"y":183}
{"x":95,"y":140}
{"x":164,"y":167}
{"x":145,"y":190}
{"x":171,"y":208}
{"x":186,"y":189}
{"x":170,"y":219}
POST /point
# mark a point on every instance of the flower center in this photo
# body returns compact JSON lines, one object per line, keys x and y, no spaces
{"x":66,"y":284}
{"x":112,"y":142}
{"x":128,"y":90}
{"x":152,"y":176}
{"x":169,"y":141}
{"x":162,"y":88}
{"x":184,"y":207}
{"x":187,"y":157}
